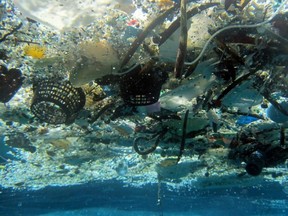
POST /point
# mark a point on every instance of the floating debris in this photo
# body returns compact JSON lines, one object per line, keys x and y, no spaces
{"x":68,"y":15}
{"x":163,"y":36}
{"x":19,"y":140}
{"x":91,"y":62}
{"x":60,"y":143}
{"x":228,"y":3}
{"x":144,"y":145}
{"x":10,"y":82}
{"x":165,"y":3}
{"x":183,"y":138}
{"x":142,"y":86}
{"x":122,"y":168}
{"x":276,"y":115}
{"x":182,"y":50}
{"x":258,"y":150}
{"x":140,"y":38}
{"x":235,"y":27}
{"x":57,"y":102}
{"x":35,"y":51}
{"x":5,"y":36}
{"x":169,"y":162}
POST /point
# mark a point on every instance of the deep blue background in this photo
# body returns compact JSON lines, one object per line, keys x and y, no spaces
{"x":112,"y":198}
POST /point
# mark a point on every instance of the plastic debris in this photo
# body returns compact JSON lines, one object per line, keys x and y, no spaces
{"x":10,"y":82}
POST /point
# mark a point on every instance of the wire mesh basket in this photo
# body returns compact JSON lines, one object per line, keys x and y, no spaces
{"x":57,"y":102}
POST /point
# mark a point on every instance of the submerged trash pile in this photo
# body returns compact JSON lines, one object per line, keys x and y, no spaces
{"x":182,"y":92}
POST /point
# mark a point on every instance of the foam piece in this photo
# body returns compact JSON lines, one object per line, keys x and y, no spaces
{"x":275,"y":115}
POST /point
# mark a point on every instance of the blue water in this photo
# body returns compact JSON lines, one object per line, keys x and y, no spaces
{"x":112,"y":198}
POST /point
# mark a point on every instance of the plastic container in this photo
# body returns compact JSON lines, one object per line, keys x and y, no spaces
{"x":57,"y":102}
{"x":141,"y":89}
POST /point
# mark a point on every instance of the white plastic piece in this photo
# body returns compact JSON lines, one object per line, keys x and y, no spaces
{"x":63,"y":14}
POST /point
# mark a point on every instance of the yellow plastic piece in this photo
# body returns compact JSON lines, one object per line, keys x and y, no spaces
{"x":35,"y":51}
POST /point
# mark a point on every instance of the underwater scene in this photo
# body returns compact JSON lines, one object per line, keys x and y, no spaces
{"x":143,"y":107}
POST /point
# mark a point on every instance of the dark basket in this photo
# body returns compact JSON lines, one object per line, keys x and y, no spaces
{"x":57,"y":102}
{"x":140,"y":89}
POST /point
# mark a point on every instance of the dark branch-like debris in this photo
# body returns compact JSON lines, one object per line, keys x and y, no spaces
{"x":140,"y":38}
{"x":176,"y":24}
{"x":10,"y":33}
{"x":184,"y":131}
{"x":182,"y":50}
{"x":233,"y":85}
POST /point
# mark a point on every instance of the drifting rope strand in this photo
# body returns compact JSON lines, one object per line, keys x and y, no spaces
{"x":184,"y":131}
{"x":182,"y":50}
{"x":140,"y":38}
{"x":233,"y":85}
{"x":176,"y":24}
{"x":282,"y":136}
{"x":235,"y":27}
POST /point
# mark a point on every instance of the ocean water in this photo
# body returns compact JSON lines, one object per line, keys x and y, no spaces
{"x":112,"y":198}
{"x":143,"y":107}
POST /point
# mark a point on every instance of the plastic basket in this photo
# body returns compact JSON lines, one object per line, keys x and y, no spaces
{"x":57,"y":102}
{"x":140,"y":89}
